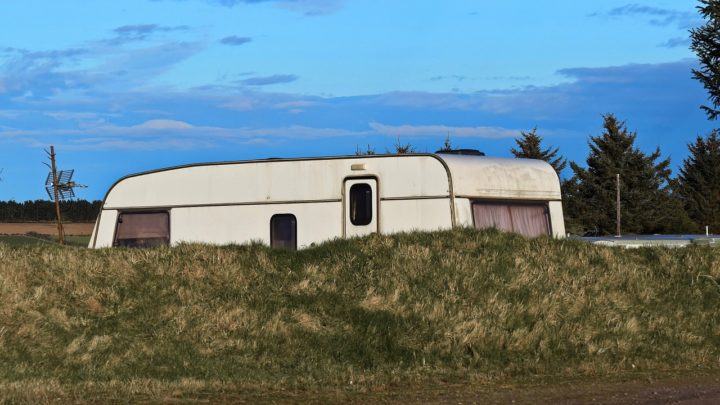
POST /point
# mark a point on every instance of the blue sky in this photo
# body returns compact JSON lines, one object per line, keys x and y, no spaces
{"x":121,"y":87}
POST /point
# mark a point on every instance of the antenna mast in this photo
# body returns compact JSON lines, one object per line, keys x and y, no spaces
{"x":618,"y":214}
{"x":59,"y":186}
{"x":53,"y":173}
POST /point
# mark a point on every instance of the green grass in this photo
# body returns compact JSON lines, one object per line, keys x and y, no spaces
{"x":77,"y":240}
{"x":447,"y":306}
{"x":21,"y":240}
{"x":37,"y":239}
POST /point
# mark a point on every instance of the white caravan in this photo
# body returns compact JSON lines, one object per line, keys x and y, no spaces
{"x":296,"y":203}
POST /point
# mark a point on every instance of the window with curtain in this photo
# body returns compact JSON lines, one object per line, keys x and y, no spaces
{"x":528,"y":219}
{"x":283,"y":232}
{"x":142,"y":229}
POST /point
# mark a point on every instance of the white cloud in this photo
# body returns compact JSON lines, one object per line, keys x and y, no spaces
{"x":441,"y":130}
{"x":240,"y":104}
{"x":419,"y":99}
{"x":312,"y":7}
{"x":10,"y":114}
{"x":138,"y":144}
{"x":306,"y":7}
{"x":171,"y":134}
{"x":295,"y":104}
{"x":163,"y":124}
{"x":73,"y":115}
{"x":299,"y":132}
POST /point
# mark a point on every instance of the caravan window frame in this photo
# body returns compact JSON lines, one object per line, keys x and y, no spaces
{"x":142,"y":211}
{"x":536,"y":203}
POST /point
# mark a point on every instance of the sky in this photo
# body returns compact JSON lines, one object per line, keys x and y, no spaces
{"x":123,"y":87}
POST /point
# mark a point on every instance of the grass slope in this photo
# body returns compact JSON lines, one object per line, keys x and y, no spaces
{"x":449,"y":306}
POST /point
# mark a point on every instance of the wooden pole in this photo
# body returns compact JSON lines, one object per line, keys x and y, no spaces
{"x":61,"y":236}
{"x":619,"y":234}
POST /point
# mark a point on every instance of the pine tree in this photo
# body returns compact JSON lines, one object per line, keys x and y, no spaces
{"x":699,"y":182}
{"x":447,"y":145}
{"x":369,"y":151}
{"x":403,"y":148}
{"x":706,"y":45}
{"x":530,"y":147}
{"x":646,"y":200}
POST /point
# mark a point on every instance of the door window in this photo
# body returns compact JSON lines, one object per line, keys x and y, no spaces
{"x":361,"y":204}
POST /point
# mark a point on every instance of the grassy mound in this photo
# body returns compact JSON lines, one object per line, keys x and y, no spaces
{"x":447,"y":305}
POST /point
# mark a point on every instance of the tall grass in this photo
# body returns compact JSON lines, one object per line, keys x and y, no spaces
{"x":383,"y":309}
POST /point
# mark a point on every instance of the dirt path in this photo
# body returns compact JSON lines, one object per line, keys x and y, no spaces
{"x":45,"y":228}
{"x":686,"y":390}
{"x":700,"y":390}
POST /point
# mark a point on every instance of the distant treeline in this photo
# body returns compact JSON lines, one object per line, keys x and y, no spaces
{"x":42,"y":210}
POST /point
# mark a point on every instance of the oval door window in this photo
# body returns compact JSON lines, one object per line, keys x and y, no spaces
{"x":361,"y":207}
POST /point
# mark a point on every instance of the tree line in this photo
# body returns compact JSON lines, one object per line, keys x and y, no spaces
{"x":43,"y":210}
{"x":652,"y":200}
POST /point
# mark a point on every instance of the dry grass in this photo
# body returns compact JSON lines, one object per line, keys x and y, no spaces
{"x":348,"y":315}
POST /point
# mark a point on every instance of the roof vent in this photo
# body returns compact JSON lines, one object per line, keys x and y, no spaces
{"x":471,"y":152}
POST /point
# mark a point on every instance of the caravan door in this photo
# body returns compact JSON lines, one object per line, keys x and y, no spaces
{"x":361,"y":207}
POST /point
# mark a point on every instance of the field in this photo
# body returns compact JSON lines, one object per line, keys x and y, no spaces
{"x":43,"y":233}
{"x":459,"y":315}
{"x":45,"y":228}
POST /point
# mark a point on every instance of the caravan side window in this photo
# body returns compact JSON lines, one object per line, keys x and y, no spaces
{"x":283,"y":231}
{"x":527,"y":218}
{"x":361,"y":200}
{"x":143,"y":229}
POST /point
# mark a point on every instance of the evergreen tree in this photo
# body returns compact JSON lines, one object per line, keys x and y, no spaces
{"x":647,"y":203}
{"x":368,"y":151}
{"x":403,"y":148}
{"x":42,"y":210}
{"x":706,"y":45}
{"x":699,"y":182}
{"x":530,"y":147}
{"x":447,"y":145}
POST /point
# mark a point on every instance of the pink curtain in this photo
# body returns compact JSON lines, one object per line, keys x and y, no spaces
{"x":489,"y":215}
{"x":528,"y":219}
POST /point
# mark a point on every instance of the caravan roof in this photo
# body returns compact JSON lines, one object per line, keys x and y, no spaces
{"x":276,"y":179}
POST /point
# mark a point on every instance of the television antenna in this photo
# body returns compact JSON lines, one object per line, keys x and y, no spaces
{"x":59,"y":186}
{"x":65,"y":185}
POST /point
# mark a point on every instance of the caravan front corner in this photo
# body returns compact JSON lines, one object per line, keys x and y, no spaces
{"x":295,"y":203}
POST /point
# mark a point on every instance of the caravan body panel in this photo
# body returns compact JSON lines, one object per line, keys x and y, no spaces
{"x":240,"y":202}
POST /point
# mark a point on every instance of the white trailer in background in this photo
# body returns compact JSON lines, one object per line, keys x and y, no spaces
{"x":295,"y":203}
